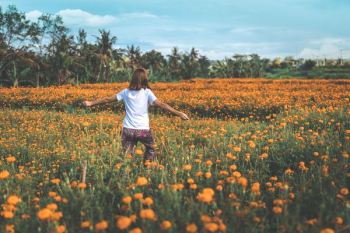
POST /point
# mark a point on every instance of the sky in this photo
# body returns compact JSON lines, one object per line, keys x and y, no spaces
{"x":216,"y":28}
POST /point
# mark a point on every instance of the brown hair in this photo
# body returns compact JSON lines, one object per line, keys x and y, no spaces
{"x":139,"y":79}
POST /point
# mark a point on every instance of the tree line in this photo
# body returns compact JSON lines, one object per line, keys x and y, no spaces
{"x":44,"y":53}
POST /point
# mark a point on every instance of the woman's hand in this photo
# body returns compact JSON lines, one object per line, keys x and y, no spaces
{"x":183,"y":116}
{"x":87,"y":103}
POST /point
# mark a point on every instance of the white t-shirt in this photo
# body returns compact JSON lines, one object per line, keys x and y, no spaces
{"x":136,"y":106}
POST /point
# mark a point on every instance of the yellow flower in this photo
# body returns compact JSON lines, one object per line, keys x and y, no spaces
{"x":123,"y":222}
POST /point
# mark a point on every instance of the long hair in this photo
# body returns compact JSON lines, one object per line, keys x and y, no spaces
{"x":139,"y":79}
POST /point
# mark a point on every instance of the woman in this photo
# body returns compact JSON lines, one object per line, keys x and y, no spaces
{"x":136,"y":121}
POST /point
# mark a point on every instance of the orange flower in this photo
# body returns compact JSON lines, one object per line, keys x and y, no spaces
{"x":55,"y":181}
{"x":123,"y":222}
{"x":127,"y":200}
{"x":4,"y":174}
{"x":82,"y":185}
{"x":211,"y":227}
{"x":142,"y":181}
{"x":138,"y":152}
{"x":148,"y":201}
{"x":61,"y":229}
{"x":100,"y":226}
{"x":344,"y":191}
{"x":327,"y":230}
{"x":86,"y":224}
{"x":192,"y":228}
{"x":187,"y":167}
{"x":7,"y":214}
{"x":165,"y":225}
{"x":11,"y":159}
{"x":13,"y":200}
{"x":138,"y":196}
{"x":135,"y":230}
{"x":242,"y":181}
{"x":277,"y":210}
{"x":44,"y":214}
{"x":147,"y":214}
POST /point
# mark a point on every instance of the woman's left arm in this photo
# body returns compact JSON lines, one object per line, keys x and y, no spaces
{"x":105,"y":100}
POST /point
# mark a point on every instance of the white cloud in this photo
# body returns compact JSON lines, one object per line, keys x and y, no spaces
{"x":82,"y":18}
{"x":326,"y":50}
{"x":139,"y":15}
{"x":33,"y":15}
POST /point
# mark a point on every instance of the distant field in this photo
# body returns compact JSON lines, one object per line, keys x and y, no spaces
{"x":257,"y":155}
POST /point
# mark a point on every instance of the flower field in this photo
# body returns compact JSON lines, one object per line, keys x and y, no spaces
{"x":257,"y":155}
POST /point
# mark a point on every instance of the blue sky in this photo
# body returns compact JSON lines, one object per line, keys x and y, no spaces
{"x":217,"y":28}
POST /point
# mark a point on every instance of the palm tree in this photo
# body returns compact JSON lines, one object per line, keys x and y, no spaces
{"x":153,"y":59}
{"x":174,"y":62}
{"x":204,"y":65}
{"x":105,"y":43}
{"x":134,"y":55}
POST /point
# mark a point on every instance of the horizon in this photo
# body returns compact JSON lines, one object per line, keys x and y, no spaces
{"x":309,"y":30}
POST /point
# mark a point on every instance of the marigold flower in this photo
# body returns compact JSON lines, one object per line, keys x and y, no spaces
{"x":100,"y":226}
{"x":138,"y":196}
{"x":142,"y":181}
{"x":327,"y":230}
{"x":127,"y":200}
{"x":13,"y":200}
{"x":138,"y":152}
{"x":187,"y":167}
{"x":55,"y":181}
{"x":82,"y":185}
{"x":123,"y":222}
{"x":192,"y":228}
{"x":135,"y":230}
{"x":165,"y":225}
{"x":11,"y":159}
{"x":211,"y":227}
{"x":147,"y":214}
{"x":44,"y":214}
{"x":148,"y":201}
{"x":60,"y":229}
{"x":277,"y":210}
{"x":52,"y":206}
{"x":4,"y":174}
{"x":86,"y":224}
{"x":344,"y":191}
{"x":7,"y":214}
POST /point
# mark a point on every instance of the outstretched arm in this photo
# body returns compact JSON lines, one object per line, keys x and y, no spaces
{"x":164,"y":106}
{"x":101,"y":101}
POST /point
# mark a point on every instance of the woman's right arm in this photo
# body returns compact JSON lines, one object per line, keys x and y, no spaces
{"x":166,"y":107}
